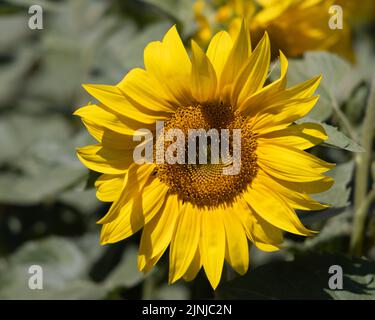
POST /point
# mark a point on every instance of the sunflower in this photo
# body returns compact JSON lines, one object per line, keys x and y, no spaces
{"x":360,"y":12}
{"x":294,"y":26}
{"x":202,"y":215}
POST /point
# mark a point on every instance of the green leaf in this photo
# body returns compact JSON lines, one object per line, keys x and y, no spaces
{"x":13,"y":31}
{"x":175,"y":292}
{"x":356,"y":104}
{"x":19,"y":132}
{"x":124,"y":48}
{"x":66,"y":265}
{"x":340,"y":140}
{"x":180,"y":10}
{"x":339,"y":79}
{"x":364,"y":67}
{"x":331,"y":238}
{"x":305,"y":278}
{"x":47,"y":5}
{"x":126,"y":273}
{"x":83,"y":200}
{"x":336,"y":138}
{"x":61,"y":260}
{"x":12,"y":75}
{"x":336,"y":86}
{"x":338,"y":195}
{"x":39,"y":158}
{"x":68,"y":52}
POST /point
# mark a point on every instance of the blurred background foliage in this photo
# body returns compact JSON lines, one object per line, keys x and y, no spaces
{"x":48,"y":207}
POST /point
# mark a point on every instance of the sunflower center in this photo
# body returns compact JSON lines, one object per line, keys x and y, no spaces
{"x":205,"y":184}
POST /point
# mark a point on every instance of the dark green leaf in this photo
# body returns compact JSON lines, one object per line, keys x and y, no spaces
{"x":338,"y":195}
{"x":305,"y":278}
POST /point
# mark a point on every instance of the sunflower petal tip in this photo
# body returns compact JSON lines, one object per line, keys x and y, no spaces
{"x":86,"y":86}
{"x":141,"y":262}
{"x":171,"y":30}
{"x":194,"y":45}
{"x":172,"y":279}
{"x":215,"y":284}
{"x":103,"y":241}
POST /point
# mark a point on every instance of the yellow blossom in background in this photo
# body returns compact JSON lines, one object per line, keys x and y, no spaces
{"x":294,"y":26}
{"x":203,"y":216}
{"x":359,"y":12}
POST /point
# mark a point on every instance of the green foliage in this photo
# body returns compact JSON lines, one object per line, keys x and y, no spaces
{"x":39,"y":158}
{"x":338,"y":195}
{"x":337,"y":81}
{"x":305,"y":278}
{"x":179,"y":10}
{"x":48,"y":206}
{"x":337,"y":139}
{"x":66,"y":266}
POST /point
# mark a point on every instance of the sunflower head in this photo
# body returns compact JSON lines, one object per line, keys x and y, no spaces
{"x":294,"y":26}
{"x":203,"y":215}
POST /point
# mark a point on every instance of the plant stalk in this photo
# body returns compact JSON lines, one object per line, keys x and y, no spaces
{"x":362,"y":174}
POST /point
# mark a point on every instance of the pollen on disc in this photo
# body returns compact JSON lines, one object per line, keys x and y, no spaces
{"x":205,"y":185}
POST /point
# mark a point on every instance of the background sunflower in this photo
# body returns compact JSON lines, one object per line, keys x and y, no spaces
{"x":48,"y":208}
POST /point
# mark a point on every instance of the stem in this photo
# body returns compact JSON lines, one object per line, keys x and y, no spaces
{"x":344,"y":121}
{"x":362,"y":172}
{"x":229,"y":274}
{"x":148,"y":288}
{"x":359,"y":224}
{"x":151,"y":281}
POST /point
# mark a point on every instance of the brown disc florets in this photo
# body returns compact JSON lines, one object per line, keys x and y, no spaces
{"x":205,"y":185}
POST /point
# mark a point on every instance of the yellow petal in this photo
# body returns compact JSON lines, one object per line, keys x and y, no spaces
{"x":107,"y":128}
{"x":272,"y":103}
{"x":157,"y":234}
{"x":290,"y":164}
{"x":218,"y":51}
{"x":135,"y":180}
{"x":212,"y":245}
{"x":105,"y":160}
{"x":184,"y":241}
{"x":135,"y":214}
{"x":237,"y":250}
{"x":169,"y":63}
{"x":174,"y":48}
{"x":145,"y":265}
{"x":108,"y":187}
{"x":98,"y":116}
{"x":203,"y":76}
{"x":310,"y":187}
{"x":283,"y":114}
{"x":194,"y":267}
{"x":238,"y":56}
{"x":113,"y":98}
{"x":264,"y":235}
{"x":302,"y":90}
{"x":145,"y":93}
{"x":301,"y":136}
{"x":264,"y":97}
{"x":272,"y":208}
{"x":296,"y":199}
{"x":254,"y":74}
